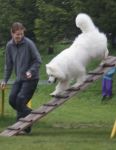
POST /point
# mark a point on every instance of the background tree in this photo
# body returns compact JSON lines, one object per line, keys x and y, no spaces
{"x":55,"y":22}
{"x":16,"y":10}
{"x":50,"y":21}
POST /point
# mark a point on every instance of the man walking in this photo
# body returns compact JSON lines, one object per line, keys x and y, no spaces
{"x":22,"y":56}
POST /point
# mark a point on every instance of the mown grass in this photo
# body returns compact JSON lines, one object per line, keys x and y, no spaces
{"x":82,"y":123}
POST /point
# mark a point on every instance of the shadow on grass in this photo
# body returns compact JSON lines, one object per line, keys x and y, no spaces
{"x":78,"y":129}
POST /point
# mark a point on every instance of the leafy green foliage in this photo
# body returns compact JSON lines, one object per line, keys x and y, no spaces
{"x":48,"y":22}
{"x":16,"y":10}
{"x":51,"y":24}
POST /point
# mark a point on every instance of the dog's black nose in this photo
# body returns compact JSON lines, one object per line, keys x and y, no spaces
{"x":49,"y":81}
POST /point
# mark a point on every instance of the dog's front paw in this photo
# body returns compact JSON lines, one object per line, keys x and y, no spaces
{"x":59,"y":95}
{"x":54,"y":93}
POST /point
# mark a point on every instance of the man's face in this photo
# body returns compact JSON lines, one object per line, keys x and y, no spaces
{"x":18,"y":35}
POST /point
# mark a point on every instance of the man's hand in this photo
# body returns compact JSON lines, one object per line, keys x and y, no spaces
{"x":28,"y":75}
{"x":3,"y":85}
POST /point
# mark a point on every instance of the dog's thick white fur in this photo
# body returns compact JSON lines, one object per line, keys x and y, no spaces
{"x":71,"y":63}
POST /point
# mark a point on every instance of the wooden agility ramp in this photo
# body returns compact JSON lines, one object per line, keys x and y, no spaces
{"x":55,"y":102}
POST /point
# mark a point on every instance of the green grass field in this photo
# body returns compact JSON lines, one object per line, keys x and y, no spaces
{"x":82,"y":123}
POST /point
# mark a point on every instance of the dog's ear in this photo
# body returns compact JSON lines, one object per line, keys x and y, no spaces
{"x":51,"y":68}
{"x":46,"y":65}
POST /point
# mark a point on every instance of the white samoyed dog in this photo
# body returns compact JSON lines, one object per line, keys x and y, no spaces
{"x":71,"y":63}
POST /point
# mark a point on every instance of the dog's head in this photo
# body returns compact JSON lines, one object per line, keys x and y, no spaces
{"x":54,"y":73}
{"x":51,"y":74}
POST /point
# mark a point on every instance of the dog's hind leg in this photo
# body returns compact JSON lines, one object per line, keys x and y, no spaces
{"x":80,"y":80}
{"x":60,"y":88}
{"x":105,"y":57}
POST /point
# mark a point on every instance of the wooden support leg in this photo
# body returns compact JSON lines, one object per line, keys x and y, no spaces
{"x":2,"y":102}
{"x":113,"y":133}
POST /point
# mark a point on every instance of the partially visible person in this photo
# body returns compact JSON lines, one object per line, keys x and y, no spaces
{"x":21,"y":55}
{"x":107,"y":83}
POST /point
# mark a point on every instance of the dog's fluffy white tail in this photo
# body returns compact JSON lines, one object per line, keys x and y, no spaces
{"x":84,"y":22}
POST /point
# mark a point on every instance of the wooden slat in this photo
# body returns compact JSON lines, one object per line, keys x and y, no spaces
{"x":25,"y":120}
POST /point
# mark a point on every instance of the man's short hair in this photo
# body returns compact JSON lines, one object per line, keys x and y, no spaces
{"x":17,"y":26}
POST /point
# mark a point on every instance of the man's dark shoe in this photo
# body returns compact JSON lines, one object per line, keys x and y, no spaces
{"x":22,"y":133}
{"x":103,"y":98}
{"x":110,"y":97}
{"x":28,"y":129}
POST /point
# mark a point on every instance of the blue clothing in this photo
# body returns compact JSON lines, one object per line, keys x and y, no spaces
{"x":107,"y":87}
{"x":107,"y":82}
{"x":109,"y":74}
